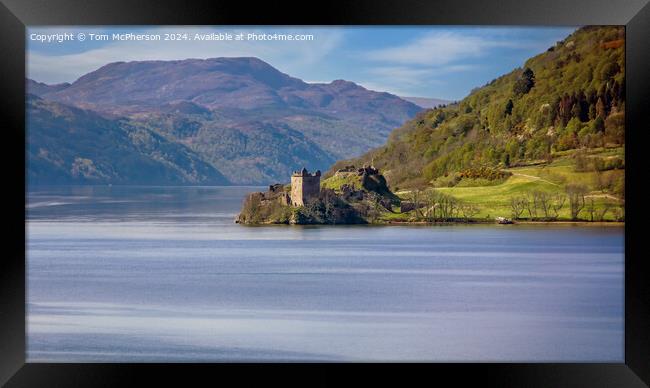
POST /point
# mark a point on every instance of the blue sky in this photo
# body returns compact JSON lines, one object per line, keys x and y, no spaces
{"x":434,"y":61}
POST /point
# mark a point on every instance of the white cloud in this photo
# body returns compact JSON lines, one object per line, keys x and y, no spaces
{"x":417,"y":75}
{"x":398,"y":79}
{"x":441,"y":47}
{"x":426,"y":62}
{"x":287,"y":56}
{"x":401,"y":80}
{"x":390,"y":87}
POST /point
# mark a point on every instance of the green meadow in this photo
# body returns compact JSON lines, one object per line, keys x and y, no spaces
{"x":604,"y":188}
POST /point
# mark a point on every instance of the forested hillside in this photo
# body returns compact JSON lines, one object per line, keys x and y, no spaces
{"x":567,"y":102}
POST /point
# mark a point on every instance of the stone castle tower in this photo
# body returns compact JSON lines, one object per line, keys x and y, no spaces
{"x":304,"y":186}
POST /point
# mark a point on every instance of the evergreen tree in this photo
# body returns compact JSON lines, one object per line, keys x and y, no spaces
{"x":525,"y":82}
{"x":509,"y":107}
{"x":576,"y":111}
{"x":584,"y":107}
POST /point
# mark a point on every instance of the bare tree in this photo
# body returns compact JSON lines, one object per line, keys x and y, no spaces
{"x":557,"y":204}
{"x":454,"y":207}
{"x":518,"y":205}
{"x":576,"y":194}
{"x":469,"y":210}
{"x":619,"y":213}
{"x":543,"y":200}
{"x":448,"y":206}
{"x":531,"y":205}
{"x":591,"y":208}
{"x":431,"y":204}
{"x":600,"y":215}
{"x":415,"y":197}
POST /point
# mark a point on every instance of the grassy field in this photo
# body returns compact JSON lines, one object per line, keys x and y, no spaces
{"x":336,"y":181}
{"x":494,"y":201}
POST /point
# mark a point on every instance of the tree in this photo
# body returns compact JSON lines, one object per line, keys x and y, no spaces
{"x":518,"y":205}
{"x":599,"y":125}
{"x":550,"y":204}
{"x":576,"y":194}
{"x":543,"y":200}
{"x":619,"y":213}
{"x":592,"y":111}
{"x":329,"y":199}
{"x":609,"y":71}
{"x":565,"y":105}
{"x":375,"y":209}
{"x":531,"y":205}
{"x":509,"y":106}
{"x":591,"y":208}
{"x":432,"y":204}
{"x":581,"y":161}
{"x":524,"y":83}
{"x":615,"y":128}
{"x":557,"y":203}
{"x":528,"y":74}
{"x":448,"y":206}
{"x":416,"y":198}
{"x":600,"y":108}
{"x":584,"y":107}
{"x":600,"y":215}
{"x":614,"y":93}
{"x":469,"y":210}
{"x":576,"y":111}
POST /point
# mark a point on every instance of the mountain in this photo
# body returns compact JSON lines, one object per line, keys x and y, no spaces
{"x":569,"y":98}
{"x":68,"y":145}
{"x":241,"y":115}
{"x":39,"y":88}
{"x":426,"y":102}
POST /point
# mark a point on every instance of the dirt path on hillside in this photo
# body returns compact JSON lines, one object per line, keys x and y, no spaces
{"x":608,"y":196}
{"x":535,"y":178}
{"x":604,"y":196}
{"x":403,"y":192}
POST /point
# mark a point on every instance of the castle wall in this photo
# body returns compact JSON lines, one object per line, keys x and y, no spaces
{"x":304,"y":188}
{"x":310,"y":187}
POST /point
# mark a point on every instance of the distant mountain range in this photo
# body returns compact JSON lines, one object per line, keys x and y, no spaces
{"x":194,"y":121}
{"x":71,"y":145}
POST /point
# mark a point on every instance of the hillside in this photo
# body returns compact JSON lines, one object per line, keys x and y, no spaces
{"x":241,"y":115}
{"x":68,"y":145}
{"x":568,"y":98}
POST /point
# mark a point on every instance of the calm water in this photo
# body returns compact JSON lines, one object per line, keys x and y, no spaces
{"x":130,"y":274}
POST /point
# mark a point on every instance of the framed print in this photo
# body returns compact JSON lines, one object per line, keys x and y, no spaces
{"x":383,"y":191}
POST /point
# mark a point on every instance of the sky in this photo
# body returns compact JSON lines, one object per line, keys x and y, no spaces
{"x":443,"y":62}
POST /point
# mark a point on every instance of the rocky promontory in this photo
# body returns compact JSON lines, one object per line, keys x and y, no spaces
{"x":350,"y":196}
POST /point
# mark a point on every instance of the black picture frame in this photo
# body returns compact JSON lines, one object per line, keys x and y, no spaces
{"x":15,"y":15}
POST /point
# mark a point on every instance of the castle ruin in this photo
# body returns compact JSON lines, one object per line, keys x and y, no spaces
{"x":304,"y":187}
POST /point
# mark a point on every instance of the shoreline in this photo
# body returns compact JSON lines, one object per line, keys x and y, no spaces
{"x":594,"y":223}
{"x":524,"y":222}
{"x":457,"y":223}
